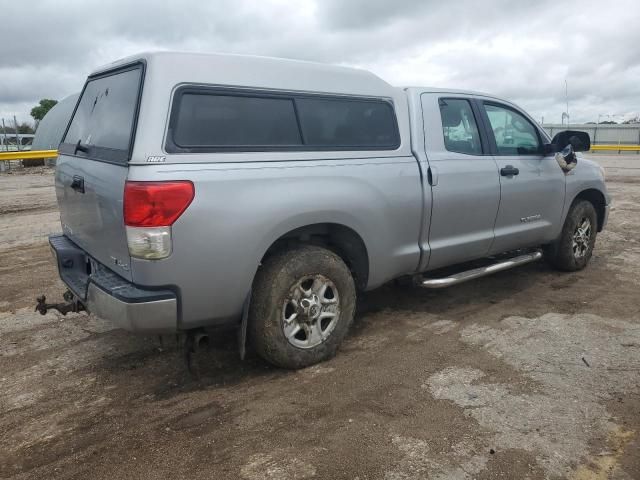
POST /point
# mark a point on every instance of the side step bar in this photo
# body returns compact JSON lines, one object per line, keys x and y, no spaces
{"x":480,"y":272}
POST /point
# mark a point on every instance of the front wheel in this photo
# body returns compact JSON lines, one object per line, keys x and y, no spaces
{"x":302,"y":305}
{"x":572,"y":251}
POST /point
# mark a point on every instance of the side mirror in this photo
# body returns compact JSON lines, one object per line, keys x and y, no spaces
{"x":580,"y":141}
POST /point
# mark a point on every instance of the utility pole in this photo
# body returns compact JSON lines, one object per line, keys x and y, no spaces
{"x":4,"y":167}
{"x":595,"y":133}
{"x":4,"y":131}
{"x":15,"y":124}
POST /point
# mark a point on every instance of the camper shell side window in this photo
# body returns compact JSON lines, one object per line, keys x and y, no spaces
{"x":207,"y":119}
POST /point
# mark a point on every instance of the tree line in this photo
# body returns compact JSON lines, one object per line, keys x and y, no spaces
{"x":38,"y":112}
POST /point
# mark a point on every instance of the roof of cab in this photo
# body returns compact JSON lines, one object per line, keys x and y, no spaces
{"x":452,"y":91}
{"x":258,"y":72}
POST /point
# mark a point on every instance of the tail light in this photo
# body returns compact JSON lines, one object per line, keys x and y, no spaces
{"x":150,"y":208}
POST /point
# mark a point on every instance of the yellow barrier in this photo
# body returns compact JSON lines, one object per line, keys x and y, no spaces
{"x":28,"y":154}
{"x":622,"y":148}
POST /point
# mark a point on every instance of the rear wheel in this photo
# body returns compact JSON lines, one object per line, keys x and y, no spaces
{"x":302,"y":305}
{"x":573,"y":250}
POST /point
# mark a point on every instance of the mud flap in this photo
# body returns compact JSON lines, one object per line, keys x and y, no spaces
{"x":242,"y":331}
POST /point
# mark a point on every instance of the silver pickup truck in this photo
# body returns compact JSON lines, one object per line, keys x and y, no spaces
{"x":198,"y":191}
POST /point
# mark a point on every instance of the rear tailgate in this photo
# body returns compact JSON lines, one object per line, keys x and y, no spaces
{"x":92,"y":166}
{"x":93,"y":218}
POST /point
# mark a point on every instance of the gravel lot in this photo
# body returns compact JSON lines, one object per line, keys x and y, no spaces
{"x":528,"y":374}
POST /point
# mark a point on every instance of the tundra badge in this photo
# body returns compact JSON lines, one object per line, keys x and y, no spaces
{"x":531,"y":218}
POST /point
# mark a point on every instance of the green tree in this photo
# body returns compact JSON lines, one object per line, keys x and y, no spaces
{"x":38,"y":112}
{"x":24,"y":127}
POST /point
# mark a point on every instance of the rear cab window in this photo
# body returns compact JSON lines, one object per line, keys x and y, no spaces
{"x":459,"y":127}
{"x":212,"y":120}
{"x":103,"y":124}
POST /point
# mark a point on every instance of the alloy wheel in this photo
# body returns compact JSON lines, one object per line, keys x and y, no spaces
{"x":310,"y":311}
{"x":581,"y":238}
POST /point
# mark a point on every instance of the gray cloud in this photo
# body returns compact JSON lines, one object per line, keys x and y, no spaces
{"x":519,"y":50}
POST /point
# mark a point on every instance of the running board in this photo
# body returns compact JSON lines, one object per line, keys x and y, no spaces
{"x":480,"y":272}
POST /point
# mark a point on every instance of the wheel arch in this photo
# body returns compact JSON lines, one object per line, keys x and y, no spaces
{"x":342,"y":240}
{"x":597,"y":199}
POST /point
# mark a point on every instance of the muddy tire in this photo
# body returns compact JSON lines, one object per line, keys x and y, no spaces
{"x":302,"y":306}
{"x":573,"y":250}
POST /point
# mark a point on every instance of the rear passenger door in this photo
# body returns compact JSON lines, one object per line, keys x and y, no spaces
{"x":465,"y":188}
{"x":532,"y":185}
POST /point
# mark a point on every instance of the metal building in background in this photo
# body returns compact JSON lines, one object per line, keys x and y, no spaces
{"x":610,"y":134}
{"x":51,"y":128}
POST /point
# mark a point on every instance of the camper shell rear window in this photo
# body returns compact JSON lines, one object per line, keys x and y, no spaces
{"x":103,"y":123}
{"x":208,"y":119}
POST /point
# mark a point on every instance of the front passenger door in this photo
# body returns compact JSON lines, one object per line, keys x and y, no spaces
{"x":532,"y":185}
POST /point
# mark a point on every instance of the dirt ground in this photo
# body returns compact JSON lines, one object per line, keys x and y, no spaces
{"x":528,"y":374}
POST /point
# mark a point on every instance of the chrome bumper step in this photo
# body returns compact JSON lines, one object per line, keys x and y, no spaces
{"x":461,"y":277}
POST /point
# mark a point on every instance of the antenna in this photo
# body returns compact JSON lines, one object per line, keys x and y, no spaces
{"x":566,"y":98}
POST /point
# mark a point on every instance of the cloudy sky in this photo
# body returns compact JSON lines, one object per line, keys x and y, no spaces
{"x":520,"y":50}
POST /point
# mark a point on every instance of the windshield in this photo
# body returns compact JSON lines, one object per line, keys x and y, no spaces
{"x":102,"y":125}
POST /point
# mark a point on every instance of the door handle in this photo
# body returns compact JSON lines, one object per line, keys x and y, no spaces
{"x":78,"y":183}
{"x":509,"y":170}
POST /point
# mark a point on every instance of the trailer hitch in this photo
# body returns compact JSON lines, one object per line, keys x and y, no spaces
{"x":70,"y":304}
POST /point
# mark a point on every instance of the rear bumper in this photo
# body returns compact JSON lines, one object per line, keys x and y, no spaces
{"x":156,"y":316}
{"x":111,"y":297}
